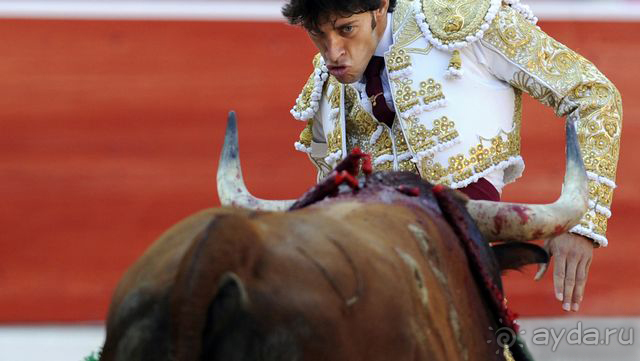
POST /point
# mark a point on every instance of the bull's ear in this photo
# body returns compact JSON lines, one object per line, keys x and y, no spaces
{"x":226,"y":313}
{"x":517,"y":255}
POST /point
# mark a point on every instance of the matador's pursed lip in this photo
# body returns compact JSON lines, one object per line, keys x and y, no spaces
{"x":337,"y":70}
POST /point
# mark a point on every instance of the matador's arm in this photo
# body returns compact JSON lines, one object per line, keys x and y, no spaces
{"x":518,"y":52}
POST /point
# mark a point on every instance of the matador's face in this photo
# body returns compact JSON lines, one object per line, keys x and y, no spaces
{"x":347,"y":43}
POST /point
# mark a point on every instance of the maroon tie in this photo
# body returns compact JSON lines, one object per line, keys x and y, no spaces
{"x":375,"y":92}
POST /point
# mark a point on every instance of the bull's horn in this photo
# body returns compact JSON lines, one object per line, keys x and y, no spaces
{"x":524,"y":222}
{"x":231,"y":188}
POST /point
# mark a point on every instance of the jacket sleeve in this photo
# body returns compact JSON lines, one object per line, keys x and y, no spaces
{"x":517,"y":51}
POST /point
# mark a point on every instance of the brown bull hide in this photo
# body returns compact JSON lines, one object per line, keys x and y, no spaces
{"x":341,"y":280}
{"x":137,"y":324}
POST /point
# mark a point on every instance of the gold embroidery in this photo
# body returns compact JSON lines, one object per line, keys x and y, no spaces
{"x":407,"y":98}
{"x":384,"y":146}
{"x":304,"y":100}
{"x":434,"y":172}
{"x":401,"y":144}
{"x":334,"y":140}
{"x":423,"y":139}
{"x":537,"y":53}
{"x":374,"y":99}
{"x":525,"y":82}
{"x":334,"y":97}
{"x":407,"y":166}
{"x":431,"y":91}
{"x":405,"y":29}
{"x":601,"y":193}
{"x":560,"y":78}
{"x":351,"y":99}
{"x":452,"y":21}
{"x":456,"y":60}
{"x":398,"y":60}
{"x":386,"y":166}
{"x":360,"y":126}
{"x":421,"y":51}
{"x":595,"y":221}
{"x":307,"y":136}
{"x":402,"y":12}
{"x":488,"y":153}
{"x":453,"y":24}
{"x":600,"y":118}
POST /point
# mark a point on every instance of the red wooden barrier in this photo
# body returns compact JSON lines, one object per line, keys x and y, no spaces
{"x":110,"y":132}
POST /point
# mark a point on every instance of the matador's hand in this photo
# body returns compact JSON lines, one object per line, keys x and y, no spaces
{"x":572,"y":256}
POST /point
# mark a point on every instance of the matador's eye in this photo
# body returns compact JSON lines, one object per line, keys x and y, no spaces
{"x":347,"y":29}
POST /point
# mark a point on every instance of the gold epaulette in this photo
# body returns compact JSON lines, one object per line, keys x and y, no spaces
{"x":454,"y":24}
{"x":450,"y":25}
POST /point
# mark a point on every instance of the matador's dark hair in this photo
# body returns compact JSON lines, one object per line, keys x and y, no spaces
{"x":311,"y":13}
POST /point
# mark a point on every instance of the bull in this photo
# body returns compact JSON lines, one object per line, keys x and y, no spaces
{"x":387,"y":267}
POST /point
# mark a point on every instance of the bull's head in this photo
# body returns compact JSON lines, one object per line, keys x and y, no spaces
{"x":498,"y":221}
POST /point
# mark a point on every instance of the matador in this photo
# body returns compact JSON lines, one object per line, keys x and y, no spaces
{"x":445,"y":102}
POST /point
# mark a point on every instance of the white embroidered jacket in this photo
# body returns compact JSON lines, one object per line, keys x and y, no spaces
{"x":454,"y":128}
